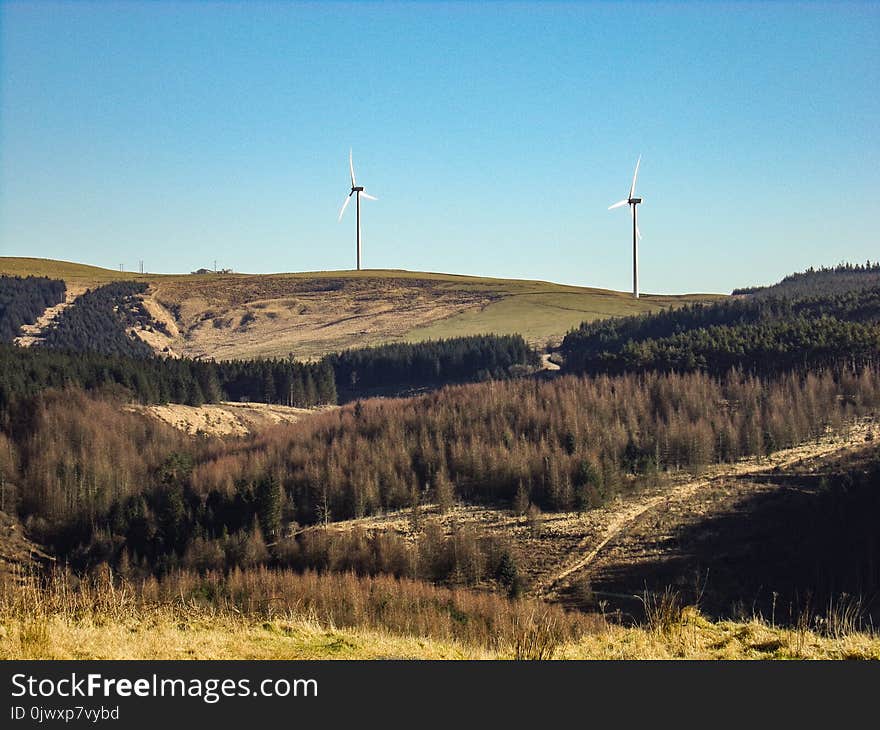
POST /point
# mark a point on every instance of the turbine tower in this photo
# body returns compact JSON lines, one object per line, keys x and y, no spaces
{"x":355,"y":188}
{"x":632,"y":201}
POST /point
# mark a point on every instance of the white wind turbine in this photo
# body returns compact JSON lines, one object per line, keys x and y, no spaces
{"x":637,"y":234}
{"x":360,"y":191}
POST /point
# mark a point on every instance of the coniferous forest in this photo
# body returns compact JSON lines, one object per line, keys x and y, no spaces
{"x":455,"y":360}
{"x":98,"y":321}
{"x":25,"y":372}
{"x":92,"y":345}
{"x":822,"y":281}
{"x":24,"y":299}
{"x":765,"y":334}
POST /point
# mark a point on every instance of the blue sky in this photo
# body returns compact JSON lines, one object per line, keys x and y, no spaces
{"x":495,"y":135}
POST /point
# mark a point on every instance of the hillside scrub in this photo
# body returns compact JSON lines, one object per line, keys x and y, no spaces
{"x":342,"y":617}
{"x":341,"y":600}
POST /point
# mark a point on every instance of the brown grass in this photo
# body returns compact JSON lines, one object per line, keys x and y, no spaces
{"x":225,"y":419}
{"x":336,"y":600}
{"x":313,"y":313}
{"x":342,"y":617}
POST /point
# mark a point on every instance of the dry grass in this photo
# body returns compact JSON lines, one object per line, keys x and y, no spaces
{"x":108,"y":619}
{"x":311,"y":314}
{"x":167,"y":635}
{"x":225,"y":419}
{"x":695,"y":637}
{"x":284,"y":611}
{"x":78,"y":274}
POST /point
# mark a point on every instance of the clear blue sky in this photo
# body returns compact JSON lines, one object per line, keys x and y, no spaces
{"x":495,"y":136}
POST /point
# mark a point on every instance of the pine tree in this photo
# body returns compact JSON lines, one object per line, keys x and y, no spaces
{"x":269,"y":498}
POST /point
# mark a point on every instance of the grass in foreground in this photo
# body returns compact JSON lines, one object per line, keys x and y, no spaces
{"x":345,"y":617}
{"x":179,"y":633}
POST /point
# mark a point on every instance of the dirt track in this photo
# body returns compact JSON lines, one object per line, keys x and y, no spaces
{"x":687,"y":501}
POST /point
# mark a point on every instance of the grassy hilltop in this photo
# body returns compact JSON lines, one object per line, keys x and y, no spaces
{"x":313,"y":313}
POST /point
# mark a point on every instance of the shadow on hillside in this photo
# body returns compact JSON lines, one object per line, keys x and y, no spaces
{"x":779,"y":554}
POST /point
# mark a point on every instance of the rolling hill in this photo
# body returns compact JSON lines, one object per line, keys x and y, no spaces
{"x":314,"y":313}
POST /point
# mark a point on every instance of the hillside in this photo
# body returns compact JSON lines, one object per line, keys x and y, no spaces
{"x":312,"y":314}
{"x":688,"y":536}
{"x":756,"y":526}
{"x":825,"y":280}
{"x":224,"y":419}
{"x":758,"y":333}
{"x":72,"y":273}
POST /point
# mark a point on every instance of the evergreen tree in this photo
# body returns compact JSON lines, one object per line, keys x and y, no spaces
{"x":269,"y":500}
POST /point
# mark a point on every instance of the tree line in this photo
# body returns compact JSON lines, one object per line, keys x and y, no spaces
{"x":158,"y":379}
{"x":98,"y":348}
{"x":454,"y":360}
{"x":767,"y":334}
{"x":824,"y":280}
{"x":24,"y":299}
{"x":24,"y":372}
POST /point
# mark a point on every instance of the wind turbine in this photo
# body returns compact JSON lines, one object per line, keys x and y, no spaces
{"x":355,"y":188}
{"x":637,"y":234}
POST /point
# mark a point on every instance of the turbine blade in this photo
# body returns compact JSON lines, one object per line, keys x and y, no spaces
{"x":617,"y":205}
{"x":344,"y":206}
{"x":638,"y":232}
{"x":368,"y":196}
{"x":351,"y":167}
{"x":632,"y":190}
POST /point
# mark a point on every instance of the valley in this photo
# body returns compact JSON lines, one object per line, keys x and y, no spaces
{"x":609,"y":554}
{"x":598,"y":477}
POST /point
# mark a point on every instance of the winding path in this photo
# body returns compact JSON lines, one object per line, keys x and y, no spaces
{"x":622,"y":519}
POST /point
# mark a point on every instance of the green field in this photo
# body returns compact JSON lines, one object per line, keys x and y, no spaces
{"x":542,"y":311}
